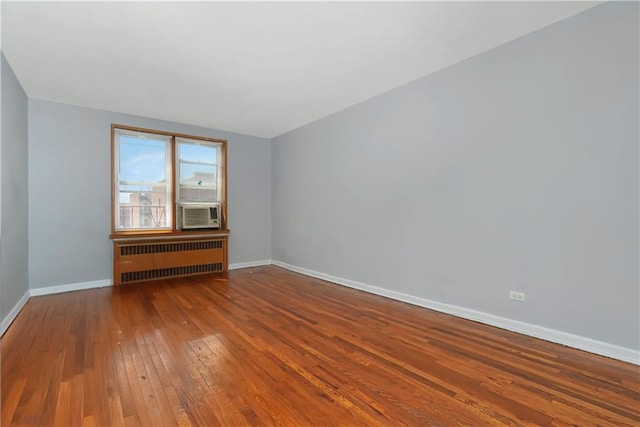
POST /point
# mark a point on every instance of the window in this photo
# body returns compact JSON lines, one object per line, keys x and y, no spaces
{"x":198,"y":165}
{"x":155,"y":172}
{"x":144,"y":193}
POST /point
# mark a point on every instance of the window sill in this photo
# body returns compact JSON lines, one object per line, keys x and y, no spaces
{"x":168,"y":234}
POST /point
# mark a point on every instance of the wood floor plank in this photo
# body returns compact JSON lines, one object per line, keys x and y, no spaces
{"x":264,"y":346}
{"x":10,"y":403}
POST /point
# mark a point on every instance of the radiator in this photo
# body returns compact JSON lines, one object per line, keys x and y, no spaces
{"x":136,"y":262}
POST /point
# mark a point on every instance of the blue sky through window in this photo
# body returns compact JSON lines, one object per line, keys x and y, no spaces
{"x":197,"y":153}
{"x":142,"y":159}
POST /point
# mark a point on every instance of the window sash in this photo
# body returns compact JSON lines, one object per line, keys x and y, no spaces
{"x":181,"y":187}
{"x":143,"y":216}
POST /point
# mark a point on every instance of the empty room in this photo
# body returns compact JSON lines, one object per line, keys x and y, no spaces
{"x":320,"y":213}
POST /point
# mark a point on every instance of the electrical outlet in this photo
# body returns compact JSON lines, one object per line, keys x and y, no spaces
{"x":518,"y":296}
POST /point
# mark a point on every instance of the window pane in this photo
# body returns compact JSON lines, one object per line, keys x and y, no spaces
{"x":142,"y":159}
{"x":144,"y":196}
{"x":197,"y":153}
{"x":198,"y":183}
{"x":142,"y":207}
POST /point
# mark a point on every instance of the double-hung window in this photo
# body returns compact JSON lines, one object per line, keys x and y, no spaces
{"x":198,"y":171}
{"x":143,"y":171}
{"x":154,"y":173}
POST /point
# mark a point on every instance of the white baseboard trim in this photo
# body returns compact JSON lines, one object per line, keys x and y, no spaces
{"x":558,"y":337}
{"x":9,"y":318}
{"x":70,"y":287}
{"x":260,"y":263}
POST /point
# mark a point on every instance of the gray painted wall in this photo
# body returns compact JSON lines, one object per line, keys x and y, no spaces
{"x":13,"y":260}
{"x":516,"y":169}
{"x":70,"y":192}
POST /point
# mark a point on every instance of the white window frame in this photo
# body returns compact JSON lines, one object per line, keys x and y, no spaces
{"x":218,"y":164}
{"x":118,"y":182}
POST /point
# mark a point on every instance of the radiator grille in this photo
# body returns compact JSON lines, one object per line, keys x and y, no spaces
{"x":169,"y":247}
{"x":170,"y":272}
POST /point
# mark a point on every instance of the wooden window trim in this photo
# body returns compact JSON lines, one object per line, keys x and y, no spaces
{"x":174,"y":230}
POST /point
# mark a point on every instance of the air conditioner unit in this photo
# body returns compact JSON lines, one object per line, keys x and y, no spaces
{"x":200,"y":216}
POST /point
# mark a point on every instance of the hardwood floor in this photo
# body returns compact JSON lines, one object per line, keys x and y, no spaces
{"x":265,"y":346}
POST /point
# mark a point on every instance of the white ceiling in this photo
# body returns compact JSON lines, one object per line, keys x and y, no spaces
{"x":254,"y":68}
